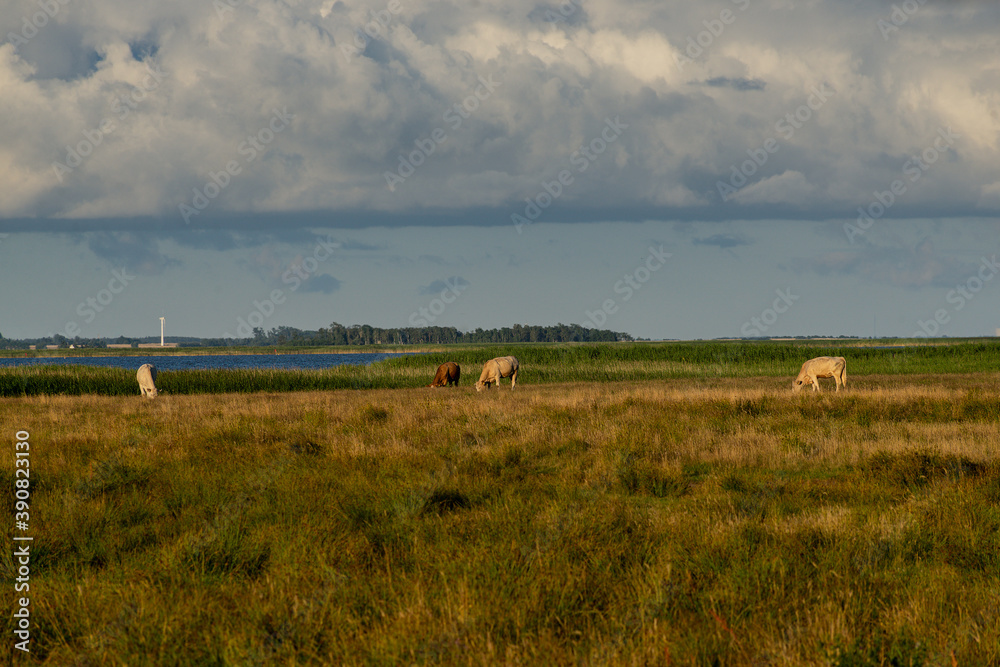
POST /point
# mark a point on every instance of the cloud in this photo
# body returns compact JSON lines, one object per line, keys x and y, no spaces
{"x":788,"y":187}
{"x":149,"y":108}
{"x":349,"y":244}
{"x":725,"y":241}
{"x":324,"y":283}
{"x":739,"y":83}
{"x":136,"y":252}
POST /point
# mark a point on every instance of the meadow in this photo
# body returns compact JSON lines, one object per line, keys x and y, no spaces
{"x":544,"y":363}
{"x":624,"y":506}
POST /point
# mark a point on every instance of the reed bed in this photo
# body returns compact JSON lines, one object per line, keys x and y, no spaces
{"x":540,"y":364}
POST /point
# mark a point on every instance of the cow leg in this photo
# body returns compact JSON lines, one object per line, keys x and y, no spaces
{"x":513,"y":379}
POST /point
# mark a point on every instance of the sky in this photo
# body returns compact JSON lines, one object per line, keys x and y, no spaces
{"x":673,"y":170}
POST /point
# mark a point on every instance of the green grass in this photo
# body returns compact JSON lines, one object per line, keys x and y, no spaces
{"x":77,"y":380}
{"x":540,"y":364}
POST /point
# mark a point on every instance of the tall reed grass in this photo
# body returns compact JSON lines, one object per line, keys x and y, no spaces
{"x":540,"y":364}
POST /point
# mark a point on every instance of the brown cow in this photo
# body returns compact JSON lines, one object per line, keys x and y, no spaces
{"x":447,"y":373}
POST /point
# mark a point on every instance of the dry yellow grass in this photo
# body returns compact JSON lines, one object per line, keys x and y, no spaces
{"x":679,"y":522}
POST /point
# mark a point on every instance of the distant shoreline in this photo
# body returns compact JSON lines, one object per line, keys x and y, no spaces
{"x":179,"y":352}
{"x":415,"y":348}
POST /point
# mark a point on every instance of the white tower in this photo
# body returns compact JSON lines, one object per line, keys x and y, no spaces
{"x":161,"y":332}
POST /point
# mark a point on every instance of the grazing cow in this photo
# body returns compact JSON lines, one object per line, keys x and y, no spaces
{"x":447,"y":373}
{"x":494,"y":369}
{"x":147,"y":380}
{"x":822,"y":367}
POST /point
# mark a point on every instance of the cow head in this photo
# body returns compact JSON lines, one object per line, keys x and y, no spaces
{"x":797,"y":385}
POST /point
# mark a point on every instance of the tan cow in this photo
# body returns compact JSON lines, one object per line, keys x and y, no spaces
{"x":494,"y":369}
{"x":821,"y":367}
{"x":146,"y":376}
{"x":447,"y":373}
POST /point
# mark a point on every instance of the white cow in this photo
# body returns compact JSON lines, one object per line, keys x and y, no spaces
{"x":822,"y":367}
{"x":147,"y":380}
{"x":494,"y":369}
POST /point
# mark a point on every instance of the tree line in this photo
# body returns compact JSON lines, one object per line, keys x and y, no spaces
{"x":364,"y":334}
{"x":355,"y":334}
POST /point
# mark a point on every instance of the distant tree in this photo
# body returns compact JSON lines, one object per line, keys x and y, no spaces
{"x":365,"y":334}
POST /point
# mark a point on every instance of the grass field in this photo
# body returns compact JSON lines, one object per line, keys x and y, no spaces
{"x":703,"y":517}
{"x":540,"y":364}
